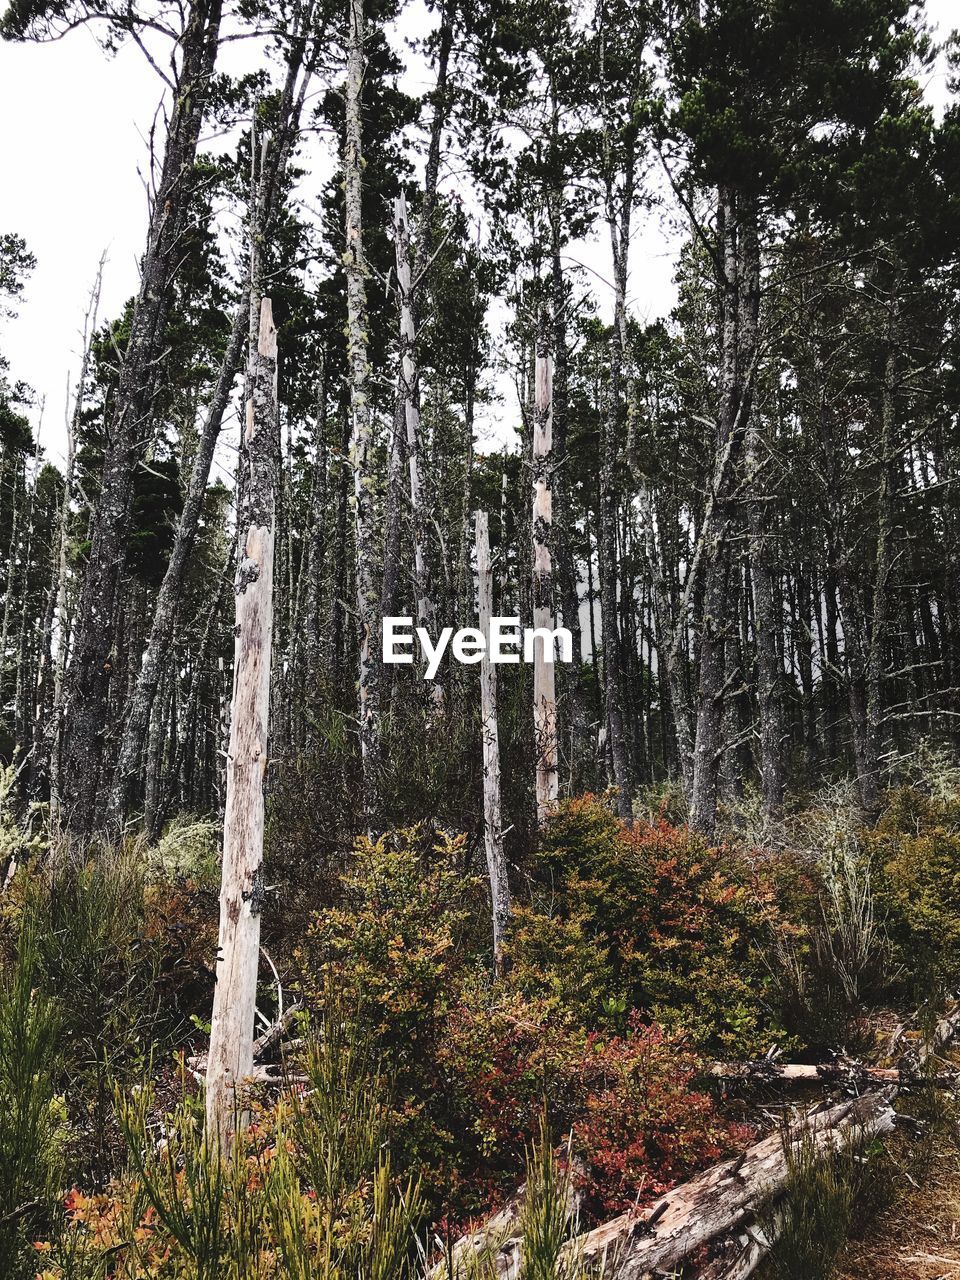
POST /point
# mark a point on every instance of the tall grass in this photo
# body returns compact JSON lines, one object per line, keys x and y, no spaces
{"x":308,"y":1194}
{"x":31,"y":1117}
{"x":547,"y":1214}
{"x":810,"y":1226}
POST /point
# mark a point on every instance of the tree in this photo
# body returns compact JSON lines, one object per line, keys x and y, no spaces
{"x":230,"y":1058}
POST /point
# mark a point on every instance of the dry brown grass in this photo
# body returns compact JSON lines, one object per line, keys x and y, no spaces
{"x":917,"y":1236}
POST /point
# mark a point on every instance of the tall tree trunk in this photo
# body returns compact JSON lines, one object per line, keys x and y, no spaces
{"x":361,"y":419}
{"x":544,"y":668}
{"x":737,"y":230}
{"x":130,"y":428}
{"x":619,"y":220}
{"x":50,"y":684}
{"x":319,"y":531}
{"x":390,"y":581}
{"x":241,"y":895}
{"x":851,"y":619}
{"x":489,"y":731}
{"x":883,"y":568}
{"x":563,"y":528}
{"x":768,"y":624}
{"x":441,"y":111}
{"x":409,"y":391}
{"x":168,"y":597}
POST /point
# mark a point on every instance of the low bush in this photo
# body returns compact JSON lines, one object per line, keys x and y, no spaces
{"x":308,"y":1193}
{"x":915,"y":853}
{"x":637,"y":1119}
{"x":811,"y":1226}
{"x":395,"y":954}
{"x":834,"y":960}
{"x":677,"y":928}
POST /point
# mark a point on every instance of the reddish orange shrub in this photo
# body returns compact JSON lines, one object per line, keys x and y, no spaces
{"x":638,"y":1122}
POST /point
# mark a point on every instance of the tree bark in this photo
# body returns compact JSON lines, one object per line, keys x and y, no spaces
{"x":361,"y":419}
{"x":544,"y":667}
{"x":767,"y":625}
{"x":739,"y":261}
{"x":490,"y":737}
{"x":409,"y":391}
{"x":242,"y":889}
{"x":619,"y":220}
{"x":164,"y":616}
{"x":88,"y":680}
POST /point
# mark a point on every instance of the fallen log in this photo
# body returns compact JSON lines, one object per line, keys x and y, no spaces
{"x":274,"y":1034}
{"x":718,"y":1208}
{"x":725,"y":1198}
{"x":262,"y":1047}
{"x":715,"y":1203}
{"x":742,"y":1252}
{"x":844,"y":1071}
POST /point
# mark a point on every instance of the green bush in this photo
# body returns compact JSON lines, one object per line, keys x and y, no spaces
{"x":915,"y":853}
{"x":396,"y":952}
{"x":308,"y":1192}
{"x":836,"y":961}
{"x":675,"y":927}
{"x":396,"y":947}
{"x":119,"y":953}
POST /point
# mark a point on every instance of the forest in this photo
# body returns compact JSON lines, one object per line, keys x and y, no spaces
{"x":645,"y":963}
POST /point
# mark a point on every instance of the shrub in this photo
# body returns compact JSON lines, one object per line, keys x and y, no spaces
{"x":546,"y":1220}
{"x":676,"y":927}
{"x":811,"y":1226}
{"x":188,"y":849}
{"x":638,"y":1123}
{"x":396,"y":952}
{"x":395,"y":949}
{"x":561,"y":962}
{"x":915,"y":853}
{"x":126,"y":957}
{"x":308,"y":1193}
{"x":839,"y":959}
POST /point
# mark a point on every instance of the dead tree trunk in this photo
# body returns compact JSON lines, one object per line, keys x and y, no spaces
{"x":884,"y":559}
{"x":241,"y":893}
{"x":361,"y":420}
{"x":409,"y":391}
{"x":489,"y":731}
{"x":544,"y":668}
{"x":50,"y":691}
{"x":767,"y":627}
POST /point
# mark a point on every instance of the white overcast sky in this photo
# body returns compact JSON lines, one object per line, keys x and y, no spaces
{"x":72,"y":130}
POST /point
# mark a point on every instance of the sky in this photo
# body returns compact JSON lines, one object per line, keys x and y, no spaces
{"x":72,"y":157}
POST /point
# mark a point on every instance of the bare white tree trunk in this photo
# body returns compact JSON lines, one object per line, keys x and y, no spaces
{"x":544,"y":672}
{"x":241,"y":893}
{"x":361,"y":416}
{"x":411,"y":409}
{"x":492,"y":819}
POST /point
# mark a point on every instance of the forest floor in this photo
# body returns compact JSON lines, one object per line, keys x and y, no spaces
{"x":917,"y":1235}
